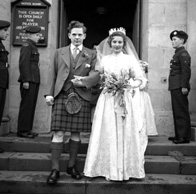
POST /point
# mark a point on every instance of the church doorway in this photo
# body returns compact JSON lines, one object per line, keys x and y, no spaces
{"x":99,"y":17}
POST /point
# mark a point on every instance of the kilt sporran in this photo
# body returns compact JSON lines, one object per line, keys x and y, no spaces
{"x":73,"y":103}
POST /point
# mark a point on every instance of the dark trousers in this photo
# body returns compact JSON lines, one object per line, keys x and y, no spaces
{"x":2,"y":102}
{"x":27,"y":107}
{"x":180,"y":107}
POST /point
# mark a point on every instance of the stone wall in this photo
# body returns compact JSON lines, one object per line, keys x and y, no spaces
{"x":159,"y":18}
{"x":191,"y":47}
{"x":42,"y":114}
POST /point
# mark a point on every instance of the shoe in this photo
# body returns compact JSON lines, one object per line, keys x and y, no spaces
{"x":75,"y":174}
{"x":25,"y":135}
{"x":172,"y":138}
{"x":33,"y":133}
{"x":181,"y":141}
{"x":107,"y":179}
{"x":53,"y":177}
{"x":1,"y":150}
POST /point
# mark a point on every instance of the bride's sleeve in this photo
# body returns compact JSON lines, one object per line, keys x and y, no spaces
{"x":136,"y":70}
{"x":136,"y":74}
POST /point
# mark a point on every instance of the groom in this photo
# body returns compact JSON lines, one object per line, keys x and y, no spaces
{"x":73,"y":76}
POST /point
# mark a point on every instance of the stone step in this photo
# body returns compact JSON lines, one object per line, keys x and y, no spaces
{"x":31,"y":182}
{"x":157,"y":145}
{"x":19,"y":161}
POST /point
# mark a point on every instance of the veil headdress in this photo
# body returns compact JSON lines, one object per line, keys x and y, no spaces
{"x":104,"y":49}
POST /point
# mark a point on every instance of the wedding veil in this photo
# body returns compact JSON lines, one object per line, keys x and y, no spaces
{"x":104,"y":49}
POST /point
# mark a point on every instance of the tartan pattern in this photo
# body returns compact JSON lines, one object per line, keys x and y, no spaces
{"x":63,"y":121}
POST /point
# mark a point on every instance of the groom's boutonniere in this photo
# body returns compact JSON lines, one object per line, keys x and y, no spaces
{"x":87,"y":65}
{"x":85,"y":54}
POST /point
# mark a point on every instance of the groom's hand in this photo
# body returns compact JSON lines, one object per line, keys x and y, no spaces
{"x":77,"y":81}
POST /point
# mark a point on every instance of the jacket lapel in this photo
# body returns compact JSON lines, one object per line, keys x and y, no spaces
{"x":66,"y":56}
{"x":81,"y":59}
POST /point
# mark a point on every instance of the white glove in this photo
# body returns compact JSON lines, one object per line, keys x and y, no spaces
{"x":144,"y":84}
{"x":134,"y":83}
{"x":49,"y":100}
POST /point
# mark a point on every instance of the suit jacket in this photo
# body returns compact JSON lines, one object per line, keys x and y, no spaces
{"x":180,"y":70}
{"x":4,"y":74}
{"x":85,"y":67}
{"x":29,"y":63}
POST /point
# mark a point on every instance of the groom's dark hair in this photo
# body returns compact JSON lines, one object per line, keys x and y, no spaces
{"x":76,"y":24}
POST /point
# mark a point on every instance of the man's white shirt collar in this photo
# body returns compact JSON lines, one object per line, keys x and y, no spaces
{"x":79,"y":47}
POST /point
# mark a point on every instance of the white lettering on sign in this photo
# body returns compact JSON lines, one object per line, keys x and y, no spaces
{"x":37,"y":16}
{"x":22,"y":12}
{"x":30,"y":20}
{"x":19,"y":28}
{"x":36,"y":12}
{"x":36,"y":3}
{"x":27,"y":16}
{"x":31,"y":17}
{"x":25,"y":3}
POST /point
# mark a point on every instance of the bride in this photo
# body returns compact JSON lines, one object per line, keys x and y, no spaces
{"x":118,"y":140}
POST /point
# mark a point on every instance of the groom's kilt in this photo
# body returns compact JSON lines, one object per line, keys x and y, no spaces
{"x":63,"y":121}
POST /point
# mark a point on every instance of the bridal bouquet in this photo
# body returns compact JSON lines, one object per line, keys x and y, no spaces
{"x":116,"y":85}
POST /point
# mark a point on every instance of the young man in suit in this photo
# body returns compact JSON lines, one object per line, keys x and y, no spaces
{"x":29,"y":79}
{"x":179,"y":86}
{"x":4,"y":74}
{"x":73,"y":76}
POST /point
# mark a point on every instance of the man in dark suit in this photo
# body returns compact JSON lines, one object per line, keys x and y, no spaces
{"x":179,"y":86}
{"x":73,"y":76}
{"x":29,"y":82}
{"x":4,"y":74}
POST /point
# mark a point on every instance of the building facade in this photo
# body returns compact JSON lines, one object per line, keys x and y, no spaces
{"x":148,"y":24}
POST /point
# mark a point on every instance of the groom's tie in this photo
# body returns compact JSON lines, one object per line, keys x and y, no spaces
{"x":75,"y":52}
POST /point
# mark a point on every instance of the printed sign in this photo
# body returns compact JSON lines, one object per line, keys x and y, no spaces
{"x":30,"y":13}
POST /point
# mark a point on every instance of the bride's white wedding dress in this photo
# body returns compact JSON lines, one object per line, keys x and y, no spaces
{"x":116,"y":146}
{"x":146,"y":109}
{"x":148,"y":114}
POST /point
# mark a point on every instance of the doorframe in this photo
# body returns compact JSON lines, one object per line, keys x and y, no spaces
{"x":137,"y":28}
{"x":63,"y":23}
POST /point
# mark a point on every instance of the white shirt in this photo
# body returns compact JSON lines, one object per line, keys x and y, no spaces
{"x":72,"y":47}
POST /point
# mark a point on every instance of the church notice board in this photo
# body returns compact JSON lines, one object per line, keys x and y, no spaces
{"x":29,"y":13}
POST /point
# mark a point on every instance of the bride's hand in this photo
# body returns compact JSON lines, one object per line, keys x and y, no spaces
{"x":144,"y":84}
{"x":135,"y":83}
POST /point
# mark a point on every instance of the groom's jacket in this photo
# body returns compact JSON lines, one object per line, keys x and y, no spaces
{"x":85,"y":67}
